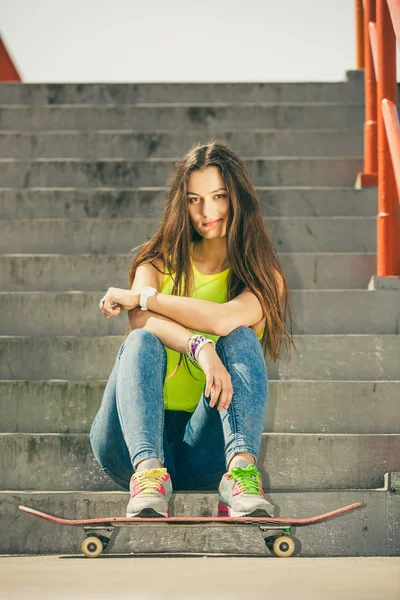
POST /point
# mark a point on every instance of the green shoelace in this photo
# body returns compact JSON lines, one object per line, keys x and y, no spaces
{"x":247,"y":478}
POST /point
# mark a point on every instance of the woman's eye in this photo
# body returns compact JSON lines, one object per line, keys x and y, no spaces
{"x":217,"y":196}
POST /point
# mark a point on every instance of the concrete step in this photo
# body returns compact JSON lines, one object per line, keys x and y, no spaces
{"x":371,"y":530}
{"x":287,"y":461}
{"x":313,"y":312}
{"x":105,"y":236}
{"x":327,"y":171}
{"x":94,"y":145}
{"x":88,"y":272}
{"x":78,"y":203}
{"x":345,"y":407}
{"x":133,"y":93}
{"x":213,"y":116}
{"x":318,"y":357}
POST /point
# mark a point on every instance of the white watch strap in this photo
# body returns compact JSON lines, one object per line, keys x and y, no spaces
{"x":145,"y":293}
{"x":143,"y":301}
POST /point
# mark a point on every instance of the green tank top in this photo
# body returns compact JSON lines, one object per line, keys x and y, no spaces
{"x":183,"y":390}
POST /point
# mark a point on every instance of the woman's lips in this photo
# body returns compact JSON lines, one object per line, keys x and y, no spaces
{"x":211,"y":223}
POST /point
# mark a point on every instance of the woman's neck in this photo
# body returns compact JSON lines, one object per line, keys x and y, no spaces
{"x":211,"y":255}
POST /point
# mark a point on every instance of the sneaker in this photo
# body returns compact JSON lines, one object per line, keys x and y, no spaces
{"x":241,"y":494}
{"x":151,"y":491}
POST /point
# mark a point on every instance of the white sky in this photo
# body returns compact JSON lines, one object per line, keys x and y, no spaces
{"x":178,"y":40}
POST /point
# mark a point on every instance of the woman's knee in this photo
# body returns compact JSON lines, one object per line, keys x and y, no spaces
{"x":242,"y":338}
{"x":143,"y":336}
{"x":145,"y":343}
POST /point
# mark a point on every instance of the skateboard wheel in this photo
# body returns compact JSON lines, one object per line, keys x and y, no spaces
{"x":282,"y":546}
{"x":92,"y":547}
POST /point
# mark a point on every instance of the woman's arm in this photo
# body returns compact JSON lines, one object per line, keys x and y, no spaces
{"x":171,"y":334}
{"x":199,"y":315}
{"x":204,"y":315}
{"x":213,"y":317}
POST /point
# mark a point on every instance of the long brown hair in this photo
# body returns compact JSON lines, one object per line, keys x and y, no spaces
{"x":253,"y":260}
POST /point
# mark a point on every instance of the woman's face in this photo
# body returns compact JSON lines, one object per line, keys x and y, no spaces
{"x":207,"y":201}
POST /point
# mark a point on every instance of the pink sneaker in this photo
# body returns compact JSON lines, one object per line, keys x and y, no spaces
{"x":151,"y":491}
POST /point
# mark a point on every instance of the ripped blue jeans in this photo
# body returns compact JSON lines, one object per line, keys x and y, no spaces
{"x":195,"y":447}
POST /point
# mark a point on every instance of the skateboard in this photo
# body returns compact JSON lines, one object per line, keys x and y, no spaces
{"x":275,"y":530}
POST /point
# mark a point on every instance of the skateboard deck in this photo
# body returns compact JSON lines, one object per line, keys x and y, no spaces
{"x":184,"y":520}
{"x":280,"y":545}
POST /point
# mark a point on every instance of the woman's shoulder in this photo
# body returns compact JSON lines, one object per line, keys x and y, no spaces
{"x":157,"y":267}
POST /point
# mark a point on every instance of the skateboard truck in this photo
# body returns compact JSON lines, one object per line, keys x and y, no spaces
{"x":91,"y":543}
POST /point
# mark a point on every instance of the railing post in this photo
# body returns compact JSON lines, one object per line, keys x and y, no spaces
{"x":369,"y":176}
{"x":388,"y":248}
{"x":360,"y":34}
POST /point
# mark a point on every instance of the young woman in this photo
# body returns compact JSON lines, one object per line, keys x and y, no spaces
{"x":185,"y":404}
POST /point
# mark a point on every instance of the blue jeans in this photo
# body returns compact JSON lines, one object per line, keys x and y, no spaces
{"x":195,"y":447}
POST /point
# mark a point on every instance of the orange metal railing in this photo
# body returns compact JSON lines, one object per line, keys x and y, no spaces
{"x":8,"y":71}
{"x":381,"y":20}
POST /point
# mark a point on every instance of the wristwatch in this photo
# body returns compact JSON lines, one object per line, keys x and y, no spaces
{"x":144,"y":294}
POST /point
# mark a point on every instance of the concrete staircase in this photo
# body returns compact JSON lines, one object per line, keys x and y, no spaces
{"x":82,"y":173}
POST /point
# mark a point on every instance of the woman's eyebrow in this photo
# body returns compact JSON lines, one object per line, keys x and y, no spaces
{"x":210,"y":192}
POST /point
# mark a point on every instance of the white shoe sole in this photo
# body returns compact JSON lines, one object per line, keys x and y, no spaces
{"x":226,"y":511}
{"x":148,"y":512}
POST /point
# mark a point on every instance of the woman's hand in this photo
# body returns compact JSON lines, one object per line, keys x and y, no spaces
{"x":117,"y":299}
{"x":218,"y":382}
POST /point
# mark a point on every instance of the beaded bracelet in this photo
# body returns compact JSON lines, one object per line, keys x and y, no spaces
{"x":194,"y":343}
